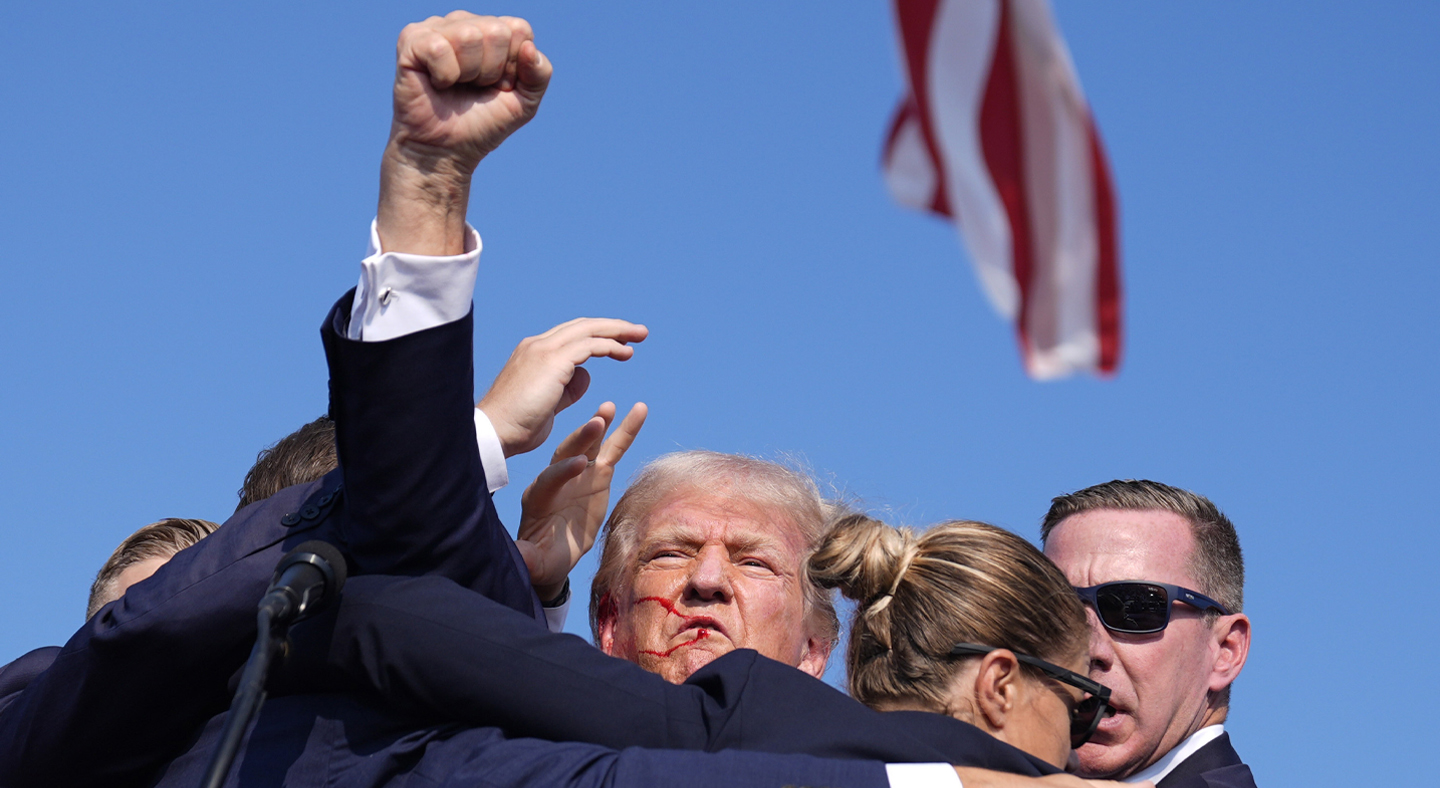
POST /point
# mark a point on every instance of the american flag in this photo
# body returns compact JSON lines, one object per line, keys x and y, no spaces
{"x":996,"y":135}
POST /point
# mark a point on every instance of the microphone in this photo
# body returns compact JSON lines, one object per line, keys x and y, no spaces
{"x":305,"y":579}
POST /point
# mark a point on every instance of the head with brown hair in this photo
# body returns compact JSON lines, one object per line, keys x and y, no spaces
{"x":705,"y":553}
{"x":302,"y":456}
{"x":957,"y":582}
{"x":1168,"y":684}
{"x":141,"y":554}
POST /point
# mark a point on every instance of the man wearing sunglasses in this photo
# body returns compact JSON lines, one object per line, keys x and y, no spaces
{"x":1161,"y":574}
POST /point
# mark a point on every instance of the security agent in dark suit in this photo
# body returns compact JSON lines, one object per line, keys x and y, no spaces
{"x":1161,"y":571}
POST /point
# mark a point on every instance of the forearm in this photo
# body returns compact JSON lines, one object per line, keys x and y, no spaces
{"x":424,"y":194}
{"x":136,"y":681}
{"x":416,"y":499}
{"x":416,"y":642}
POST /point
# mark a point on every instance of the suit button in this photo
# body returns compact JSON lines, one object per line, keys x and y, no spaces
{"x":310,"y":512}
{"x":324,"y":500}
{"x":290,"y":520}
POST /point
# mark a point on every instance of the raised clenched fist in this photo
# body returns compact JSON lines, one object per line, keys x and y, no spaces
{"x":463,"y":83}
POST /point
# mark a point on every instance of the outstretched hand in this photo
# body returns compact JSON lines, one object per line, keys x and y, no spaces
{"x":562,"y":510}
{"x":544,"y":377}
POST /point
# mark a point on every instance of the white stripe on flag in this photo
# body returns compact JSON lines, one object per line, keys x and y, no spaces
{"x":1014,"y":149}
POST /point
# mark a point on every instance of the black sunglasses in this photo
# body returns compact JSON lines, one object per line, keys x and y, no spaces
{"x":1139,"y":607}
{"x":1085,"y":716}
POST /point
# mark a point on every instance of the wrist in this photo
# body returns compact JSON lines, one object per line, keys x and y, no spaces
{"x":554,"y":595}
{"x":424,"y":196}
{"x":509,"y":444}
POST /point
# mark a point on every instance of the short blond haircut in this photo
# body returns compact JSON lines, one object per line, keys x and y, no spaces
{"x":161,"y":539}
{"x":761,"y":482}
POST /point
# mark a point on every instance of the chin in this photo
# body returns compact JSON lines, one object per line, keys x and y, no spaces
{"x":1100,"y":760}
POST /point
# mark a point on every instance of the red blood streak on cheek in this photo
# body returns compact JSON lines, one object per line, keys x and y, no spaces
{"x":669,"y":607}
{"x":699,"y":636}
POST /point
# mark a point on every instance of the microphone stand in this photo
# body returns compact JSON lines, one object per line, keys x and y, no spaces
{"x":248,"y":696}
{"x":307,"y":577}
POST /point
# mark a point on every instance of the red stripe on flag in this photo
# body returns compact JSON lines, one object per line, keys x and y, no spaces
{"x":915,"y":19}
{"x":1003,"y":142}
{"x":1107,"y":268}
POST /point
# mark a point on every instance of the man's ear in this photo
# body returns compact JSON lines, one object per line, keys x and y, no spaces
{"x":606,"y":630}
{"x":997,"y":687}
{"x":1232,"y":646}
{"x":815,"y":656}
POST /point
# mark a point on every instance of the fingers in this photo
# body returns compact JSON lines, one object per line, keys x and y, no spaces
{"x":585,"y":338}
{"x":551,"y":480}
{"x":620,"y":441}
{"x":479,"y":50}
{"x":534,"y":70}
{"x":586,"y":439}
{"x":423,"y":47}
{"x":575,"y":389}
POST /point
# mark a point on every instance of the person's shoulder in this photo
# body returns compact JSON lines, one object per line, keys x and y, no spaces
{"x":17,"y":675}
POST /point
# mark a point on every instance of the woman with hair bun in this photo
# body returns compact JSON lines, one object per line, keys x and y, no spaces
{"x":966,"y":620}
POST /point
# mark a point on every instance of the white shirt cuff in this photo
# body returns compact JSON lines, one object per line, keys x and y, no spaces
{"x":555,"y":616}
{"x":402,"y":293}
{"x":492,"y":454}
{"x":922,"y":775}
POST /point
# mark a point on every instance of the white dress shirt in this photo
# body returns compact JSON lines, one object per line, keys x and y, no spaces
{"x":1156,"y":771}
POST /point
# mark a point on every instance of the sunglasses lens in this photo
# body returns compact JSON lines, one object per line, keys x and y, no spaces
{"x":1086,"y":718}
{"x":1133,"y":607}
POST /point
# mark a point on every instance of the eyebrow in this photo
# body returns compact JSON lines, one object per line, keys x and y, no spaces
{"x":678,"y":534}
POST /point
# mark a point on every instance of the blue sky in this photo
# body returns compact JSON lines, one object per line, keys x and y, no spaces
{"x":186,"y":189}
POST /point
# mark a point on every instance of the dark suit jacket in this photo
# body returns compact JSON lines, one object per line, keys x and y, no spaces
{"x":442,"y":651}
{"x":1216,"y":765}
{"x":136,"y":682}
{"x":342,"y":740}
{"x":17,"y":675}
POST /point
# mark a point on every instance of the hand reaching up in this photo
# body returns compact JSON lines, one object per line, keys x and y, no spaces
{"x":563,"y":509}
{"x":544,"y":377}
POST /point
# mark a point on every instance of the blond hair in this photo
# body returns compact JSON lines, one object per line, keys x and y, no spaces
{"x":161,"y":539}
{"x":958,"y":582}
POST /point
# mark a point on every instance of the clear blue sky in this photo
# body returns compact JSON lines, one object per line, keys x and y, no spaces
{"x":185,"y":188}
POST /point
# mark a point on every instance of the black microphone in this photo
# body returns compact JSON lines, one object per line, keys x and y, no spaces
{"x":304,"y":579}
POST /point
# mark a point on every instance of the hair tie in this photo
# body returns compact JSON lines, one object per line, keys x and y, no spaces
{"x":884,"y":601}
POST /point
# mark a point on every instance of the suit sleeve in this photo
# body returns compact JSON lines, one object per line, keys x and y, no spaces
{"x":136,"y":681}
{"x":516,"y":763}
{"x":416,"y":496}
{"x":417,"y":643}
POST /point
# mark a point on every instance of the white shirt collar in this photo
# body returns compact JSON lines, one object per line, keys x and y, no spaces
{"x":1156,"y":771}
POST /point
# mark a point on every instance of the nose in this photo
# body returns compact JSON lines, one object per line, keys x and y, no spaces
{"x":710,"y":576}
{"x":1102,"y":648}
